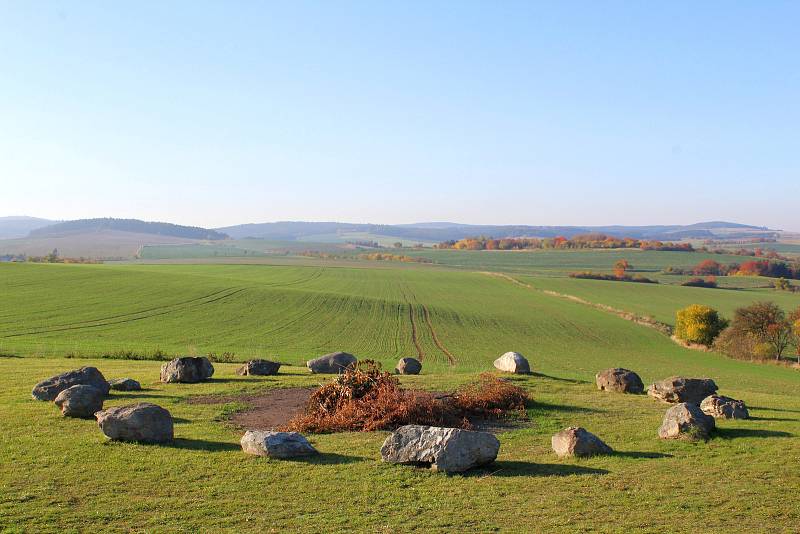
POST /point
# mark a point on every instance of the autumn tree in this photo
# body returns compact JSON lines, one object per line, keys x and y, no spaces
{"x":765,"y":325}
{"x":699,"y":324}
{"x":620,"y":267}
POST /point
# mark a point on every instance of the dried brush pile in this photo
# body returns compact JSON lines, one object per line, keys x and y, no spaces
{"x":365,"y":398}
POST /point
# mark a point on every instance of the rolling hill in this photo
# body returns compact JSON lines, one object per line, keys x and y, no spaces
{"x":443,"y":231}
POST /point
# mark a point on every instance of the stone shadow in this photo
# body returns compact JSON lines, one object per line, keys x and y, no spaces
{"x":733,"y":433}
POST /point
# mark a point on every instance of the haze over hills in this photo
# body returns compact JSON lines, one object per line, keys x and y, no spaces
{"x":12,"y":227}
{"x":126,"y":225}
{"x":443,"y":231}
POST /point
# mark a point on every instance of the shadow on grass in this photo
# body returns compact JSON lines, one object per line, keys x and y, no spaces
{"x":546,"y":406}
{"x":569,"y":380}
{"x":180,"y":420}
{"x":526,"y":469}
{"x":772,"y":409}
{"x":640,"y":454}
{"x":733,"y":433}
{"x":143,"y":394}
{"x":773,"y":419}
{"x":202,"y":445}
{"x":328,"y":458}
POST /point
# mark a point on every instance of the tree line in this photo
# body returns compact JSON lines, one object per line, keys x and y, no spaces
{"x":585,"y":241}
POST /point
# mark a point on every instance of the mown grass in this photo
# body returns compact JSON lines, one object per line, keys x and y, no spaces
{"x":61,"y":474}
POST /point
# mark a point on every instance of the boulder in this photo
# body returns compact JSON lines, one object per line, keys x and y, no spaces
{"x":80,"y":401}
{"x":187,"y":369}
{"x":679,"y":389}
{"x":143,"y":422}
{"x":125,"y":384}
{"x":276,"y":444}
{"x":259,"y":367}
{"x":577,"y":441}
{"x":49,"y":389}
{"x":724,"y":407}
{"x":408,"y":366}
{"x":686,"y":421}
{"x":333,"y":363}
{"x":450,"y":450}
{"x":619,"y":380}
{"x":513,"y":362}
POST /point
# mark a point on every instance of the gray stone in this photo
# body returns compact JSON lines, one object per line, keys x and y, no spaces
{"x":333,"y":363}
{"x":577,"y":441}
{"x":450,"y":450}
{"x":513,"y":362}
{"x":188,"y":369}
{"x":619,"y":380}
{"x":724,"y":407}
{"x":125,"y":384}
{"x":259,"y":367}
{"x":408,"y":366}
{"x":143,"y":422}
{"x":276,"y":444}
{"x":686,"y":421}
{"x":49,"y":389}
{"x":679,"y":389}
{"x":80,"y":401}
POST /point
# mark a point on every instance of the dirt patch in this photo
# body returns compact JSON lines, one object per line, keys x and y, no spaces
{"x":267,"y":410}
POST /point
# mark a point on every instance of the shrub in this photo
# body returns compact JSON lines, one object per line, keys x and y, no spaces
{"x":699,"y":324}
{"x":365,"y":398}
{"x":589,"y":275}
{"x":709,"y":282}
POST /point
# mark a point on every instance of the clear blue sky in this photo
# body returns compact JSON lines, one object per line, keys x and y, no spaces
{"x":216,"y":113}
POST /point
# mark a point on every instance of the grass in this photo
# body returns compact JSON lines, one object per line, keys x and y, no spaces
{"x":61,"y":474}
{"x":203,"y":481}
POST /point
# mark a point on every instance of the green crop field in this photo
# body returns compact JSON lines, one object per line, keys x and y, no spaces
{"x":62,"y":474}
{"x":560,"y":262}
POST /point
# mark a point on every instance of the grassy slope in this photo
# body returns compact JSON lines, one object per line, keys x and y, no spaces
{"x":661,"y":301}
{"x":741,"y":480}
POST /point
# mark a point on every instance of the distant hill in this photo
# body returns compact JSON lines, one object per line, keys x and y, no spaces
{"x":443,"y":231}
{"x":136,"y":226}
{"x":13,"y":227}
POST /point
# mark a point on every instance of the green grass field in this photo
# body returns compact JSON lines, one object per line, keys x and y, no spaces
{"x":62,"y":474}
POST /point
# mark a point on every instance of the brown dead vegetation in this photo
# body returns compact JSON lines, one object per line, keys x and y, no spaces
{"x":366,"y":399}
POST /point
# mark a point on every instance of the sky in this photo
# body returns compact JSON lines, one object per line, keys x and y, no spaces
{"x":541,"y":113}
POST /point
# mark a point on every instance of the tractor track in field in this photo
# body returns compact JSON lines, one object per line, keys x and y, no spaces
{"x":128,"y":319}
{"x":451,"y":359}
{"x":414,"y":334}
{"x":436,"y":341}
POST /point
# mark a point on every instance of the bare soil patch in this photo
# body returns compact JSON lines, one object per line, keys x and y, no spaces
{"x":268,"y":410}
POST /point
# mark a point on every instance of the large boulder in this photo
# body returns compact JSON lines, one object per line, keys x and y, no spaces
{"x":276,"y":444}
{"x":143,"y":422}
{"x":619,"y":380}
{"x":722,"y":407}
{"x":125,"y":384}
{"x":408,"y":366}
{"x":333,"y":363}
{"x":577,"y":441}
{"x":49,"y":389}
{"x":686,"y":421}
{"x":259,"y":367}
{"x":80,"y":401}
{"x":188,"y":369}
{"x":513,"y":362}
{"x":450,"y":450}
{"x":679,"y":389}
